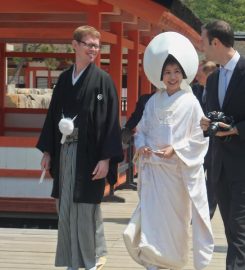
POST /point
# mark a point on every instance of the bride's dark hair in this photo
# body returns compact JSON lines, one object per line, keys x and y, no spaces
{"x":172,"y":60}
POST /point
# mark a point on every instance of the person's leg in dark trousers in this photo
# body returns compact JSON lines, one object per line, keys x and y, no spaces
{"x":231,"y":201}
{"x":212,"y":200}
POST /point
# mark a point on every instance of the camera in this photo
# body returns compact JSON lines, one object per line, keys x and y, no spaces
{"x":215,"y":118}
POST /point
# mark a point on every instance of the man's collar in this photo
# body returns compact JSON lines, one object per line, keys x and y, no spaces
{"x":232,"y":63}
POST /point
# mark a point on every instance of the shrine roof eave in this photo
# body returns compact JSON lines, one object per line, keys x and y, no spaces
{"x":55,"y":20}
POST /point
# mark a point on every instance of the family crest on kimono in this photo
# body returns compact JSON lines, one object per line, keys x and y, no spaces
{"x":81,"y":136}
{"x":170,"y":149}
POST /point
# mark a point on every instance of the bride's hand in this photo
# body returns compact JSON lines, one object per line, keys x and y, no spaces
{"x":166,"y":152}
{"x":145,"y":151}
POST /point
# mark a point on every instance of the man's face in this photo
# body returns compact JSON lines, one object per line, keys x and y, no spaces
{"x":208,"y":49}
{"x":87,"y":49}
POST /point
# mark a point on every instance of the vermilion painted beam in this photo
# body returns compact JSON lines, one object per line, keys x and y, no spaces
{"x":18,"y":141}
{"x":171,"y":22}
{"x":156,"y":14}
{"x":101,"y":7}
{"x":108,"y":37}
{"x":61,"y":55}
{"x":145,"y":9}
{"x":25,"y":111}
{"x":27,"y":205}
{"x":21,"y":129}
{"x":22,"y":173}
{"x":36,"y":11}
{"x":32,"y":6}
{"x":133,"y":73}
{"x":56,"y":55}
{"x":43,"y":34}
{"x":141,"y":48}
{"x":126,"y":43}
{"x":47,"y":6}
{"x":90,"y":2}
{"x":35,"y":25}
{"x":39,"y":55}
{"x":121,"y":16}
{"x":42,"y":17}
{"x":46,"y":35}
{"x":140,"y":25}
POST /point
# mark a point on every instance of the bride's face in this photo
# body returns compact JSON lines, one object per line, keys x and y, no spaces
{"x":172,"y":78}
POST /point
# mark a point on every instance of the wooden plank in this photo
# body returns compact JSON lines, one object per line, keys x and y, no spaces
{"x":18,"y":141}
{"x":27,"y":205}
{"x":37,"y":206}
{"x":35,"y":248}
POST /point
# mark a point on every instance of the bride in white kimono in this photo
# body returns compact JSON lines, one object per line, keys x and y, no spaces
{"x":171,"y":148}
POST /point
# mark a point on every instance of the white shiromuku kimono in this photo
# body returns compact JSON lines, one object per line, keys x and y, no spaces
{"x":172,"y":191}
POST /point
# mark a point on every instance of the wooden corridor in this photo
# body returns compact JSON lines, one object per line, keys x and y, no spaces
{"x":34,"y":249}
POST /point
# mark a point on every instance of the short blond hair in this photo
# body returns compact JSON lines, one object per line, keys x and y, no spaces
{"x":85,"y":30}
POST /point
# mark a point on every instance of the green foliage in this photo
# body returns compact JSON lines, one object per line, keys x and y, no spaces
{"x":232,"y":11}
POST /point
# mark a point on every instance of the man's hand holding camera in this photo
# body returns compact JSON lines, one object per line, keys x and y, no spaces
{"x":226,"y":129}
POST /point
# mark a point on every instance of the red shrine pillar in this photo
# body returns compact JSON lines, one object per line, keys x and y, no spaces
{"x":115,"y":69}
{"x":94,"y":19}
{"x":145,"y":83}
{"x":2,"y":85}
{"x":133,"y":73}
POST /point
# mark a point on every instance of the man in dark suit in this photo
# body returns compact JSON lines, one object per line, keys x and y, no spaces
{"x":199,"y":90}
{"x":135,"y":117}
{"x":226,"y":93}
{"x":128,"y":130}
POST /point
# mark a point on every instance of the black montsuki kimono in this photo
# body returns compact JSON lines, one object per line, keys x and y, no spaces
{"x":94,"y":100}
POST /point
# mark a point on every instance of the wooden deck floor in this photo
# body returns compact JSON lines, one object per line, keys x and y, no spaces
{"x":34,"y":249}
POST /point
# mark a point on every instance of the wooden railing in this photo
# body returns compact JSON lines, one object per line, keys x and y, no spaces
{"x":43,"y":206}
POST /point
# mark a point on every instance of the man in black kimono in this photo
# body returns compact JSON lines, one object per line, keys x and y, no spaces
{"x":85,"y":98}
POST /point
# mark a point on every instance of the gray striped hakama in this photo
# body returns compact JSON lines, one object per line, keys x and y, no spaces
{"x":80,"y":229}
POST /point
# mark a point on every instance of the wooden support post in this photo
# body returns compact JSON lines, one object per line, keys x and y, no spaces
{"x":133,"y":73}
{"x":2,"y":85}
{"x":33,"y":79}
{"x":94,"y":19}
{"x":145,"y":87}
{"x":115,"y":69}
{"x":27,"y":76}
{"x":145,"y":83}
{"x":49,"y":78}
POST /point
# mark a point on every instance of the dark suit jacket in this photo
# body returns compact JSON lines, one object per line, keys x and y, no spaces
{"x":230,"y":154}
{"x":139,"y":109}
{"x":197,"y":90}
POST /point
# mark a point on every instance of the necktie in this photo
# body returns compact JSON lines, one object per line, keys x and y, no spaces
{"x":222,"y":85}
{"x":204,"y":94}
